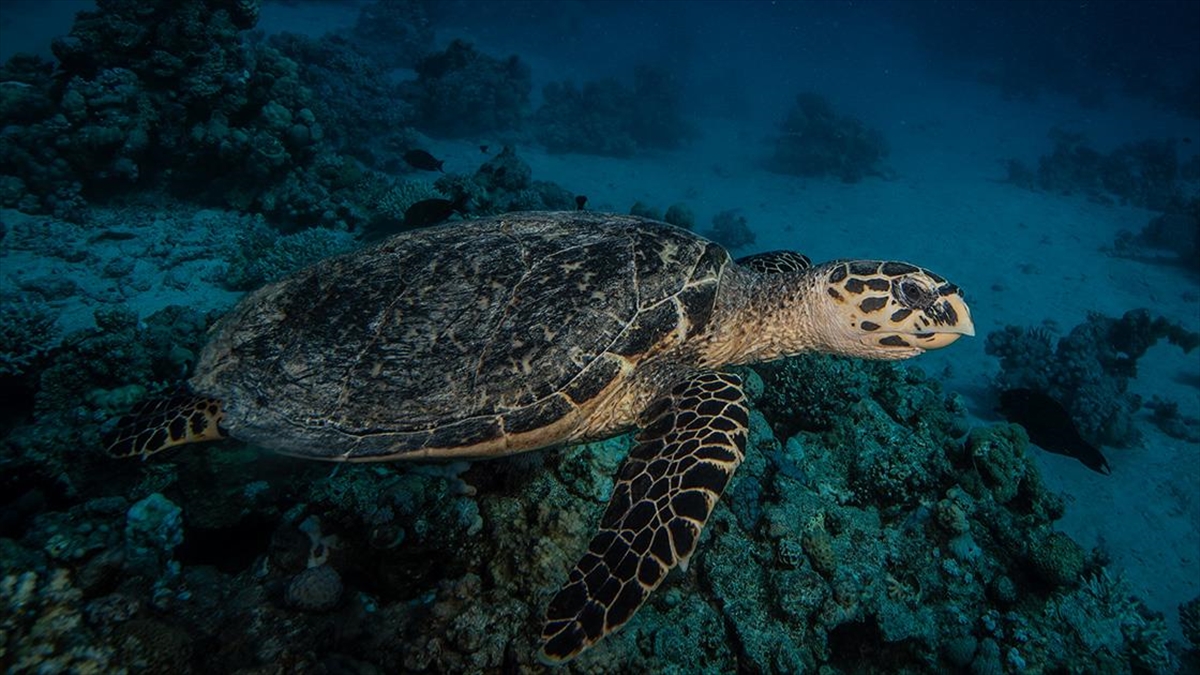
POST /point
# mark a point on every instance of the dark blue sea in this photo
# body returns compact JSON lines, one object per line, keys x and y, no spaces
{"x":347,"y":337}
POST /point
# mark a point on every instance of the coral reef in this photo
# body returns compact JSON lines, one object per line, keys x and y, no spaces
{"x":316,"y":589}
{"x":606,"y":117}
{"x":464,"y":92}
{"x":27,"y":332}
{"x":153,"y":530}
{"x":263,"y":255}
{"x":1189,"y":618}
{"x":1143,"y":173}
{"x":1175,"y":234}
{"x":395,"y":33}
{"x":1105,"y":618}
{"x":1088,"y":371}
{"x":362,"y":110}
{"x":680,"y":215}
{"x":861,"y":531}
{"x":1057,"y":559}
{"x":231,"y":124}
{"x":814,"y":140}
{"x":644,"y":210}
{"x":730,"y":229}
{"x":502,"y":184}
{"x":677,"y":214}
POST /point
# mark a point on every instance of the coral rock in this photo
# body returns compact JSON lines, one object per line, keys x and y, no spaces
{"x":316,"y":589}
{"x":1057,"y":559}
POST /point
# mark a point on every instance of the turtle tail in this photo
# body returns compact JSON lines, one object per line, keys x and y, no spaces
{"x":161,"y":423}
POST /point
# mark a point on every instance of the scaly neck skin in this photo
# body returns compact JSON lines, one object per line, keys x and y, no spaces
{"x":762,"y":317}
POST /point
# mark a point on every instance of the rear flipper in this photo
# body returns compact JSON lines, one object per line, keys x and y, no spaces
{"x":692,"y":442}
{"x":158,"y":424}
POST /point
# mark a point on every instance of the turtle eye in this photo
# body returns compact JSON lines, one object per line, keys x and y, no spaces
{"x":912,"y":293}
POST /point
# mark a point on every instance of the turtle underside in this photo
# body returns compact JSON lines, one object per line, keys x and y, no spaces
{"x":469,"y":339}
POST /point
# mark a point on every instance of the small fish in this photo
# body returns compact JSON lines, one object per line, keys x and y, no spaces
{"x":432,"y":211}
{"x":111,"y":235}
{"x":483,"y":149}
{"x":1050,"y":427}
{"x":421,"y":214}
{"x":419,"y":159}
{"x":580,"y":202}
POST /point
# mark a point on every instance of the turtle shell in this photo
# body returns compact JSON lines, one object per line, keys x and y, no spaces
{"x":469,"y":339}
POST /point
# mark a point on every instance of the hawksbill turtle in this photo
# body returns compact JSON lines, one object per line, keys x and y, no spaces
{"x":529,"y":330}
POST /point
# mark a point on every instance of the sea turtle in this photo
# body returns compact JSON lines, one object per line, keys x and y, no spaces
{"x":508,"y":334}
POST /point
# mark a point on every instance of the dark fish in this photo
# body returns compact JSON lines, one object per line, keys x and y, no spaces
{"x":483,"y":149}
{"x":580,"y":201}
{"x":112,"y":235}
{"x":419,"y":159}
{"x":432,"y":211}
{"x":1049,"y":426}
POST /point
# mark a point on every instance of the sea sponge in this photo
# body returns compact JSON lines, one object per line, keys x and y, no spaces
{"x":316,"y":589}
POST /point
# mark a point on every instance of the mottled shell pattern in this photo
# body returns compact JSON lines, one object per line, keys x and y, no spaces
{"x":436,"y":344}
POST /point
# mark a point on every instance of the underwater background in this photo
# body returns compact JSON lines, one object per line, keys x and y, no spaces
{"x":160,"y":158}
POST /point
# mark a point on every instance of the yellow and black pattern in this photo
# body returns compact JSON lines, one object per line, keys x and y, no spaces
{"x":905,"y":306}
{"x":691,"y":443}
{"x":158,"y":424}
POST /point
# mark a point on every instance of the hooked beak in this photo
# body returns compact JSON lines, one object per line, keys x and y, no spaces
{"x":947,"y":334}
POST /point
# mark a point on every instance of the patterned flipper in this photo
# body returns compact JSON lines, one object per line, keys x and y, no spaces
{"x":158,"y":424}
{"x":691,"y":443}
{"x":776,"y":262}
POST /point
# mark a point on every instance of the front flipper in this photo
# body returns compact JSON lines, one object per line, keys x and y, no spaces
{"x":776,"y":262}
{"x":690,"y":444}
{"x":158,"y":424}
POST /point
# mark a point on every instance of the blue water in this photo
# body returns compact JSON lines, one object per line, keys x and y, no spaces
{"x":160,"y":160}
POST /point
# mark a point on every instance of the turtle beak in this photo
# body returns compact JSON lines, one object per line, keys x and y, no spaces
{"x":957,"y":323}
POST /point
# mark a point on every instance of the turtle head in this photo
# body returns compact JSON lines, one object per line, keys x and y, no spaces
{"x":888,"y":310}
